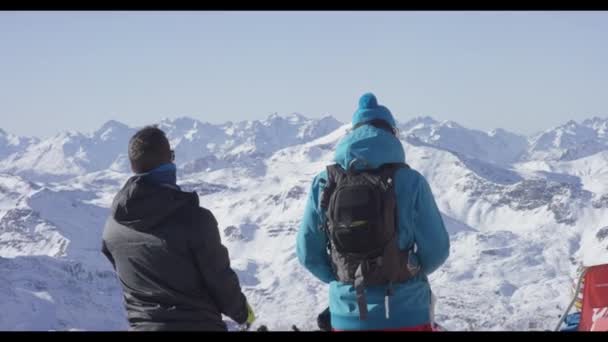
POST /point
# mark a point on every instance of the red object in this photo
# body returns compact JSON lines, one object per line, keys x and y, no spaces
{"x":601,"y":324}
{"x":424,"y":327}
{"x":594,"y":311}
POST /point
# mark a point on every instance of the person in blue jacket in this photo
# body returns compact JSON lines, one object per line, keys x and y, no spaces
{"x":419,"y":222}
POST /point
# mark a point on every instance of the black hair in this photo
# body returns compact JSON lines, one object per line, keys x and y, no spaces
{"x":378,"y":123}
{"x":148,"y":149}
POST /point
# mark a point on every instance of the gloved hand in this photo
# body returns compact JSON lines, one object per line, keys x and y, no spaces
{"x":250,"y":318}
{"x":250,"y":315}
{"x":324,"y":320}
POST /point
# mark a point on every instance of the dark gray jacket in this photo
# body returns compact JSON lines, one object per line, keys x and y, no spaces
{"x":167,"y":252}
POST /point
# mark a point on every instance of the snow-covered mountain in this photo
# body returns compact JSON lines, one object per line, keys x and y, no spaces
{"x":10,"y":143}
{"x":519,"y":226}
{"x":570,"y":141}
{"x":68,"y":154}
{"x":241,"y":142}
{"x":71,"y":153}
{"x":497,"y":146}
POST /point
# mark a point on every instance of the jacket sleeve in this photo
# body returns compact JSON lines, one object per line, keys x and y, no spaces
{"x":431,"y":237}
{"x":311,"y":246}
{"x":214,"y":264}
{"x":106,"y":252}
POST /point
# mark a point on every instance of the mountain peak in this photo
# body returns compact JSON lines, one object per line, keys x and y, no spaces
{"x":275,"y":117}
{"x":111,"y":125}
{"x":425,"y":120}
{"x":596,"y":122}
{"x":292,"y":118}
{"x":178,"y":121}
{"x":112,"y":129}
{"x":330,"y":118}
{"x":296,"y":117}
{"x":418,"y":122}
{"x":450,"y":124}
{"x":69,"y":134}
{"x":178,"y":124}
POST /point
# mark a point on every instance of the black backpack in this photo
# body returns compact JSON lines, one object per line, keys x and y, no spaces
{"x":362,"y":228}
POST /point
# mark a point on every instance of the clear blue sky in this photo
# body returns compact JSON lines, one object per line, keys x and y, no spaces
{"x":522,"y":71}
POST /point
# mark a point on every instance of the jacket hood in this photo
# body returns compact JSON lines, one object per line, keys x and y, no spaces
{"x":142,"y":205}
{"x":368,"y":147}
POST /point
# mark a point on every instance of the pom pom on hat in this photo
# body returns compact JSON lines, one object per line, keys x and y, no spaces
{"x":369,"y":110}
{"x":368,"y":101}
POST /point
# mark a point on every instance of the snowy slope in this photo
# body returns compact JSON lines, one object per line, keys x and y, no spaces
{"x":519,"y":228}
{"x":42,"y":293}
{"x":591,"y":170}
{"x":52,"y":276}
{"x":504,"y":241}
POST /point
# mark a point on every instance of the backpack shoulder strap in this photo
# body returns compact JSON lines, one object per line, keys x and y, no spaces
{"x":334,"y":173}
{"x":387,"y":171}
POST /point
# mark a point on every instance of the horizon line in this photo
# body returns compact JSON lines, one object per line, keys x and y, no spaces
{"x":286,"y":116}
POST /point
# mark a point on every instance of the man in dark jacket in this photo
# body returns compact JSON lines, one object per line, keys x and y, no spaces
{"x":167,"y":252}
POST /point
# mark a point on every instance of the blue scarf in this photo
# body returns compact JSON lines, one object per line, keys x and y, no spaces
{"x":164,"y":174}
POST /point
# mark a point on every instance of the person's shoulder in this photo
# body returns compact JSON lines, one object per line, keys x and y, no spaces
{"x":206,"y":216}
{"x":109,"y":229}
{"x":198,"y":216}
{"x":192,"y":213}
{"x":406,"y":170}
{"x":320,"y":177}
{"x":410,"y":177}
{"x":197,"y":223}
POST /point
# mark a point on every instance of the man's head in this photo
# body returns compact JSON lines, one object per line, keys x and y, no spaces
{"x":148,"y":149}
{"x":370,"y":112}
